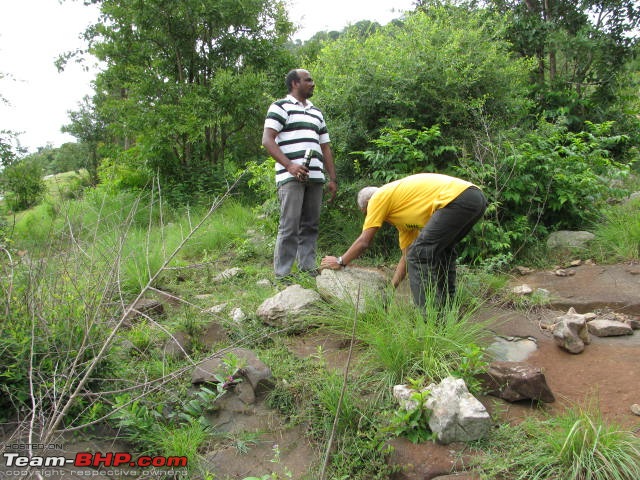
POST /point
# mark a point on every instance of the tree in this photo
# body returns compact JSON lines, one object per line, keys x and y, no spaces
{"x":581,"y":48}
{"x":448,"y":67}
{"x":23,"y":184}
{"x":88,"y":126}
{"x":184,"y":80}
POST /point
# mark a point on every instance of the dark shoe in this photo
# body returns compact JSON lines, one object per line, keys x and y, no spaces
{"x":285,"y":280}
{"x":312,"y":273}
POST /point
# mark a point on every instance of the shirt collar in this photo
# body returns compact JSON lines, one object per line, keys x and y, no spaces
{"x":298,"y":102}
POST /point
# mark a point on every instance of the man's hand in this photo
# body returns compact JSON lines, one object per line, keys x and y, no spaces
{"x":300,"y":172}
{"x":330,"y":262}
{"x":333,"y":188}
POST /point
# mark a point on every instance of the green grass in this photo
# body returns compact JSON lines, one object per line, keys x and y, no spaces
{"x":575,"y":445}
{"x":403,"y":341}
{"x":618,"y":233}
{"x":76,"y":289}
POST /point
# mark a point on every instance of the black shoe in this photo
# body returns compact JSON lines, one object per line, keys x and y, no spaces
{"x":312,"y":273}
{"x":285,"y":280}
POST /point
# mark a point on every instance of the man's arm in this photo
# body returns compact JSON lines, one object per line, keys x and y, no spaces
{"x":355,"y":250}
{"x":269,"y":142}
{"x":401,"y":270}
{"x":329,"y":165}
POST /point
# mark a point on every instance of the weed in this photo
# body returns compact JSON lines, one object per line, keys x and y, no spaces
{"x":575,"y":445}
{"x":413,"y":423}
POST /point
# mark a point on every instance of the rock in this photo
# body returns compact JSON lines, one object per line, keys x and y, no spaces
{"x":344,"y":284}
{"x":635,"y":409}
{"x":633,"y":197}
{"x":178,"y":346}
{"x":253,"y":372}
{"x":214,"y":334}
{"x":227,"y":275}
{"x":288,"y":306}
{"x":456,"y":415}
{"x":633,"y":322}
{"x":569,"y":239}
{"x":524,"y":270}
{"x":205,"y":296}
{"x":263,"y":283}
{"x":404,"y":394}
{"x":608,"y":328}
{"x":571,"y":333}
{"x":237,"y":315}
{"x":515,"y":381}
{"x":522,"y":290}
{"x":216,"y":309}
{"x":561,"y":272}
{"x":144,"y":307}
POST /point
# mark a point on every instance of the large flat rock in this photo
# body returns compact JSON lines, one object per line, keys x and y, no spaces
{"x":590,"y":287}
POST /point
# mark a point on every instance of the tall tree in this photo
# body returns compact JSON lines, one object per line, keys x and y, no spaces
{"x":183,"y":79}
{"x":581,"y":47}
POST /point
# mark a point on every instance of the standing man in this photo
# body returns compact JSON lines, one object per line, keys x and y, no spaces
{"x":293,"y":127}
{"x":432,"y":213}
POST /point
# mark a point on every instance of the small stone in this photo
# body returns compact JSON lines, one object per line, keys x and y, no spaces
{"x":575,"y":263}
{"x":237,"y":315}
{"x":635,"y":409}
{"x":522,"y":290}
{"x":524,"y":270}
{"x":561,"y":272}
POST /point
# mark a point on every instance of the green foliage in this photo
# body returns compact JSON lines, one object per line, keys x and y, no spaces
{"x":541,"y":182}
{"x":22,"y":184}
{"x":575,"y":445}
{"x":444,"y":68}
{"x":404,"y":151}
{"x":413,"y":423}
{"x":429,"y":343}
{"x":183,"y":115}
{"x":617,"y":232}
{"x":581,"y":49}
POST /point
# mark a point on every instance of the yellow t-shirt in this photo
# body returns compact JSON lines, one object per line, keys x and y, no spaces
{"x":408,"y":203}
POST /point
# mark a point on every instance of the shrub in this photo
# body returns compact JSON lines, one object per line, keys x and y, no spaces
{"x":23,"y":184}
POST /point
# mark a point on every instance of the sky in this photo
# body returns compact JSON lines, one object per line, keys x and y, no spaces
{"x":33,"y":33}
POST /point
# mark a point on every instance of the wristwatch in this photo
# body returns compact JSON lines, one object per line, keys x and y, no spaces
{"x":340,"y":262}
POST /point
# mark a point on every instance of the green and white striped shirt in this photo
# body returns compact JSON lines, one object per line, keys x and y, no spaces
{"x":299,"y":127}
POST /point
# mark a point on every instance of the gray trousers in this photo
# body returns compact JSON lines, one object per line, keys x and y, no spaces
{"x":431,"y":258}
{"x":298,"y":229}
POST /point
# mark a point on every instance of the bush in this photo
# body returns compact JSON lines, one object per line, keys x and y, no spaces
{"x":23,"y":184}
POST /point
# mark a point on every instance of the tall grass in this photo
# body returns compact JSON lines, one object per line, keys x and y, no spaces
{"x":618,"y":232}
{"x":404,"y":341}
{"x":576,"y":445}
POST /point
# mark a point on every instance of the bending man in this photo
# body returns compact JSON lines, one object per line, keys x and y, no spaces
{"x":432,"y":213}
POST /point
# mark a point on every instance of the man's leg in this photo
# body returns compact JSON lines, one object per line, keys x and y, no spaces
{"x":291,"y":196}
{"x":308,"y":233}
{"x":431,"y":258}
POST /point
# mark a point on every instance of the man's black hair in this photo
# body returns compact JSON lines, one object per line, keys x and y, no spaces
{"x":291,"y":77}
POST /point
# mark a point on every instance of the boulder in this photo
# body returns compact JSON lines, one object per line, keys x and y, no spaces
{"x":569,"y":239}
{"x":345,"y":284}
{"x":252,"y":372}
{"x":456,"y":415}
{"x":515,"y":381}
{"x":288,"y":306}
{"x":570,"y":332}
{"x":609,"y":328}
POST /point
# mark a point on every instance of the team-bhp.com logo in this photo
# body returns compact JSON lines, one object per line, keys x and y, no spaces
{"x":95,"y":460}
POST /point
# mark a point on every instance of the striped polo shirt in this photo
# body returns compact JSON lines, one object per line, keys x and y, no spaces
{"x":299,"y":127}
